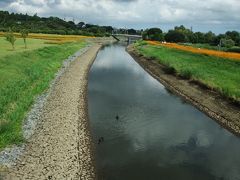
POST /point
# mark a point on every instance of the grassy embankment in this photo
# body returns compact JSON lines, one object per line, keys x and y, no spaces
{"x":6,"y":48}
{"x":207,"y":46}
{"x":220,"y":74}
{"x":23,"y":76}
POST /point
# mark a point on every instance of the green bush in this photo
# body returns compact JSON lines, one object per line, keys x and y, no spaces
{"x":227,"y":43}
{"x":154,"y":34}
{"x":169,"y":70}
{"x":186,"y":73}
{"x":234,"y":49}
{"x":10,"y":38}
{"x":175,"y":36}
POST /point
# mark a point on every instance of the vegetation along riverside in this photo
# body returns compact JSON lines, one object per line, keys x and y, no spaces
{"x":26,"y":72}
{"x":34,"y":49}
{"x":29,"y":59}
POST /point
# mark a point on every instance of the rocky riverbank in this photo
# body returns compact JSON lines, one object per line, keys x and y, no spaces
{"x":226,"y":113}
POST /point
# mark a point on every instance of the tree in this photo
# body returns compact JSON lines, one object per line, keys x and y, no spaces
{"x":132,"y":31}
{"x":24,"y":34}
{"x":238,"y":41}
{"x":154,"y":34}
{"x":108,"y":29}
{"x":209,"y":37}
{"x":36,"y":24}
{"x":175,"y":36}
{"x":234,"y":35}
{"x":200,"y":37}
{"x":227,"y":43}
{"x":218,"y":38}
{"x":81,"y":24}
{"x":182,"y":29}
{"x":10,"y":38}
{"x":180,"y":34}
{"x":187,"y":32}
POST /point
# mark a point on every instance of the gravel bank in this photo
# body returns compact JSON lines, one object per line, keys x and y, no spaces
{"x":60,"y":147}
{"x":9,"y":155}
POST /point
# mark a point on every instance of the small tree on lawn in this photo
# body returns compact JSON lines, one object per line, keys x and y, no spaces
{"x":24,"y":34}
{"x":10,"y":38}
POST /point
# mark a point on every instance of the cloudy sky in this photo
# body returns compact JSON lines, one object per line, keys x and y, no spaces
{"x":202,"y":15}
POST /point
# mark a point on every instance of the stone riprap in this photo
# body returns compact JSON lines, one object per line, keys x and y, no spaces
{"x":61,"y":146}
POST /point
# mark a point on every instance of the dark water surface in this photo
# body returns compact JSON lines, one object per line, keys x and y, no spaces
{"x":158,"y":135}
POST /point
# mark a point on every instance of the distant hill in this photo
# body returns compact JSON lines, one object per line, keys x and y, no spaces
{"x":50,"y":25}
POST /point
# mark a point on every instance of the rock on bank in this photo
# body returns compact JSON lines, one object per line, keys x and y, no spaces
{"x":61,"y":145}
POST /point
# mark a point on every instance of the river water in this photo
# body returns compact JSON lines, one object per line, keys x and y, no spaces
{"x":157,"y":135}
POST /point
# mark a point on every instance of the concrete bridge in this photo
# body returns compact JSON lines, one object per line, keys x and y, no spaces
{"x":126,"y":37}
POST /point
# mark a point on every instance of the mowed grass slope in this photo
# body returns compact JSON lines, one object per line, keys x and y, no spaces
{"x":235,"y":49}
{"x":220,"y":74}
{"x":23,"y":76}
{"x":6,"y":47}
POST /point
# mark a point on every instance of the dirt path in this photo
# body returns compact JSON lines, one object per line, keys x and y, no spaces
{"x":210,"y":102}
{"x":61,"y":146}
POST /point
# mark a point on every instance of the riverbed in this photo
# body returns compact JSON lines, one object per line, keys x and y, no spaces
{"x":148,"y":132}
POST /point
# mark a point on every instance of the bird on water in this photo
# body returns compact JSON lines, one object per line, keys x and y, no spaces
{"x":100,"y":140}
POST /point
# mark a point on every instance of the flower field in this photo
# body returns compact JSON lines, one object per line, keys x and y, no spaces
{"x":53,"y":38}
{"x":229,"y":55}
{"x":36,"y":41}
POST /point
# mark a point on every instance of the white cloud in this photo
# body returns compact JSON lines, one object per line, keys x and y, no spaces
{"x":137,"y":13}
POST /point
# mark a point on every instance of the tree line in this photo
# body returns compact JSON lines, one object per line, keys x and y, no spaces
{"x":49,"y":25}
{"x":54,"y":25}
{"x":181,"y":34}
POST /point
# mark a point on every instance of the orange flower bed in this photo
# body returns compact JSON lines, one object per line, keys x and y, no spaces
{"x":222,"y":54}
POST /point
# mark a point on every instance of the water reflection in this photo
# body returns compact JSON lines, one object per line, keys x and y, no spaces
{"x":157,"y":136}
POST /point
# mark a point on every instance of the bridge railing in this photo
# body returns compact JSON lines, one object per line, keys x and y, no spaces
{"x":128,"y":35}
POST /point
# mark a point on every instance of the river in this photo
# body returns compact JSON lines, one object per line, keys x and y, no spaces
{"x":157,"y":135}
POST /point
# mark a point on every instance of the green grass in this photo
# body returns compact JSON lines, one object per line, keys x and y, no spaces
{"x":23,"y":76}
{"x":222,"y":75}
{"x":235,"y":49}
{"x":205,"y":46}
{"x":6,"y":47}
